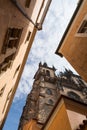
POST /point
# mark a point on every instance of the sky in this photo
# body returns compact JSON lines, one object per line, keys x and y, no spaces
{"x":43,"y":49}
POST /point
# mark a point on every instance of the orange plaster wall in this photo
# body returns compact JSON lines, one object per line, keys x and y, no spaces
{"x":59,"y":120}
{"x":74,"y":47}
{"x":31,"y":126}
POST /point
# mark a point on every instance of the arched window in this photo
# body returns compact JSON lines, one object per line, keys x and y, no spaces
{"x":47,"y":72}
{"x":73,"y":95}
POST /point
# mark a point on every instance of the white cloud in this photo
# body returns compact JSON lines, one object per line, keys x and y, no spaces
{"x":46,"y":42}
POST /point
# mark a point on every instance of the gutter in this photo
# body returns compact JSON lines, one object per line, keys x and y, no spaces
{"x":68,"y":27}
{"x":44,"y":13}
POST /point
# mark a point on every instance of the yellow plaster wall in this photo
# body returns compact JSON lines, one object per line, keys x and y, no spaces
{"x":59,"y":120}
{"x":31,"y":126}
{"x":74,"y":47}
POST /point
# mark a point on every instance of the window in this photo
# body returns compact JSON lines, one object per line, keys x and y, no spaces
{"x":17,"y":69}
{"x":48,"y":91}
{"x":7,"y":63}
{"x":12,"y":38}
{"x":83,"y":28}
{"x":44,"y":71}
{"x":7,"y":99}
{"x":27,"y":3}
{"x":50,"y":102}
{"x":74,"y":95}
{"x":28,"y":36}
{"x":2,"y":90}
{"x":47,"y":72}
{"x":9,"y":94}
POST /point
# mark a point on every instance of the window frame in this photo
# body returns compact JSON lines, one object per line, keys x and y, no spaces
{"x":48,"y":73}
{"x":2,"y":90}
{"x":27,"y":3}
{"x":7,"y":63}
{"x":17,"y":69}
{"x":12,"y":38}
{"x":28,"y":36}
{"x":80,"y":28}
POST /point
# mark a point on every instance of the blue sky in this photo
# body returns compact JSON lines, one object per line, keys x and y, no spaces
{"x":43,"y":49}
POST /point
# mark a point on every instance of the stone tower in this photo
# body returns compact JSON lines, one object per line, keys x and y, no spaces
{"x":42,"y":98}
{"x":46,"y":90}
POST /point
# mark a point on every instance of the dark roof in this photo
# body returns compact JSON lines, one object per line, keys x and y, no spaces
{"x":68,"y":27}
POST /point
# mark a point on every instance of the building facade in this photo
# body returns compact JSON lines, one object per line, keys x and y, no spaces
{"x":46,"y":92}
{"x":73,"y":43}
{"x":20,"y":20}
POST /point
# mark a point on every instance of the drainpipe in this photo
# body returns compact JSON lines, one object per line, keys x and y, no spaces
{"x":37,"y":25}
{"x":16,"y":3}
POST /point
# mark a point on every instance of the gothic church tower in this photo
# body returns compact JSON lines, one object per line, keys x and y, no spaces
{"x":42,"y":98}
